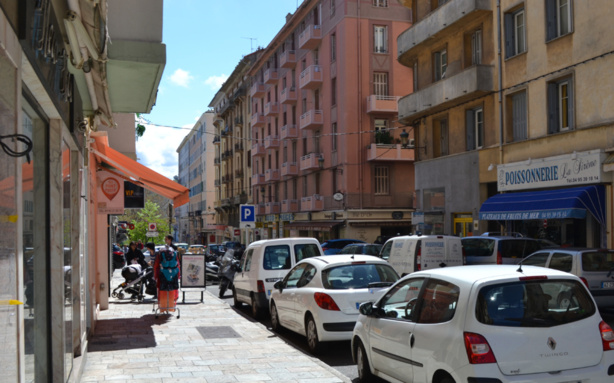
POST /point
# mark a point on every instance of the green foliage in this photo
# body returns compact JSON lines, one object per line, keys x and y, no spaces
{"x":140,"y":128}
{"x":149,"y":214}
{"x":383,"y":137}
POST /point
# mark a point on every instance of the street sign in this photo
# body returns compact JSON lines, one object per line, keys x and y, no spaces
{"x":248,"y":216}
{"x":151,"y":234}
{"x":152,"y":226}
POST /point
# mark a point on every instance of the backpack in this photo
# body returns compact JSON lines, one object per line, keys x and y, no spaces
{"x":169,"y":264}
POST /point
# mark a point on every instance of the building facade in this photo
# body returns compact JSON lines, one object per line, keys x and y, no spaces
{"x":328,"y":159}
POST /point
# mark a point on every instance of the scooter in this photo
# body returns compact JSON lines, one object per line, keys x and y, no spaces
{"x":229,"y":266}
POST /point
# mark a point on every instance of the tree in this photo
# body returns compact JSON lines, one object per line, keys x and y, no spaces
{"x":149,"y":214}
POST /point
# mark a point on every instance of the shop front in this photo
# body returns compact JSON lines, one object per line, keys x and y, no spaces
{"x":562,"y":199}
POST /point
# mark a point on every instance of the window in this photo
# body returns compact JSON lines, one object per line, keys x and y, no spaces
{"x":475,"y":128}
{"x":515,"y":33}
{"x":519,"y":116}
{"x":560,"y":105}
{"x":333,"y":47}
{"x":561,"y":261}
{"x":333,"y":91}
{"x":437,"y":3}
{"x":397,"y":303}
{"x":415,"y":79}
{"x":438,"y":302}
{"x":380,"y":39}
{"x":476,"y":47}
{"x":440,"y":140}
{"x":334,"y":136}
{"x":380,"y":83}
{"x":332,"y":8}
{"x":440,"y":63}
{"x":380,"y":3}
{"x":276,"y":258}
{"x":537,"y":259}
{"x":382,"y":135}
{"x":382,"y":180}
{"x":558,"y":18}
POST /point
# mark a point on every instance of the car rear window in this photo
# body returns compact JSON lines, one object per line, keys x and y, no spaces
{"x":357,"y":276}
{"x":598,"y":261}
{"x":535,"y":303}
{"x":478,"y":247}
{"x":306,"y":250}
{"x":372,"y":249}
{"x":277,"y":258}
{"x":517,"y":248}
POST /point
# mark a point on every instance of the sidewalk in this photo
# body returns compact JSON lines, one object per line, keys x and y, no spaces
{"x":131,"y":345}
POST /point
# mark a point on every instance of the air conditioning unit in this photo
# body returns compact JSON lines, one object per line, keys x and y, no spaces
{"x":411,"y":143}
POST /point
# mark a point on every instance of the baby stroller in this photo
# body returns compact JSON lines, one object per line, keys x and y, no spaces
{"x":137,"y":282}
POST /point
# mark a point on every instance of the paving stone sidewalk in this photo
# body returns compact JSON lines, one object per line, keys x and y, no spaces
{"x":209,"y":343}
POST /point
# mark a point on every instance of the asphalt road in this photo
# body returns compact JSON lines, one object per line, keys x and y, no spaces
{"x":335,"y":354}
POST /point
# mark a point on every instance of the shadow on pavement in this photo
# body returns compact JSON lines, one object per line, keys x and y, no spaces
{"x":125,"y":333}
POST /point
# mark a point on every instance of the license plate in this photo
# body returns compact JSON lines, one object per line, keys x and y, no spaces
{"x":607,"y":285}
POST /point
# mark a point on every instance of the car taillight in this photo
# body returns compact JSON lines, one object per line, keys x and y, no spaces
{"x":325,"y":302}
{"x":260,"y":286}
{"x":607,"y":336}
{"x":478,"y":349}
{"x":585,"y":281}
{"x":499,"y":258}
{"x":419,"y":259}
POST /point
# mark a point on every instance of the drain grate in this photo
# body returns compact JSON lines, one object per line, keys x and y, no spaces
{"x":213,"y":332}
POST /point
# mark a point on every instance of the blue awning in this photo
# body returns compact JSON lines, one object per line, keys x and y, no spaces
{"x":546,"y":204}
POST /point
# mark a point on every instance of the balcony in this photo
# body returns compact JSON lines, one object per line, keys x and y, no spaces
{"x":289,"y":169}
{"x":288,"y":96}
{"x":258,"y":120}
{"x":258,"y":179}
{"x":394,"y":152}
{"x":382,"y":104}
{"x":260,"y":209}
{"x":226,"y":179}
{"x":271,"y":76}
{"x":287,"y":59}
{"x":310,"y":37}
{"x":226,"y":202}
{"x":312,"y":203}
{"x":310,"y":161}
{"x":239,"y":199}
{"x":217,"y":161}
{"x":271,"y":108}
{"x":289,"y":206}
{"x":271,"y":142}
{"x":469,"y":84}
{"x":289,"y":131}
{"x":258,"y":150}
{"x":226,"y":155}
{"x":311,"y":78}
{"x":239,"y":121}
{"x":239,"y":173}
{"x":272,"y":207}
{"x":438,"y":22}
{"x":271,"y":175}
{"x":239,"y":147}
{"x":258,"y":89}
{"x":313,"y":119}
{"x":216,"y":140}
{"x":217,"y":183}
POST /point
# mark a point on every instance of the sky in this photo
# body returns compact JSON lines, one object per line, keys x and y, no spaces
{"x":205,"y":40}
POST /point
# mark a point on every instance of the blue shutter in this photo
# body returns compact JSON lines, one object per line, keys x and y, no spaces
{"x":509,"y":35}
{"x":470,"y":129}
{"x":553,"y":108}
{"x":519,"y":116}
{"x":550,"y":19}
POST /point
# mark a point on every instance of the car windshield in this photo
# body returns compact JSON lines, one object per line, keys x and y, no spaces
{"x":357,"y":276}
{"x":478,"y":247}
{"x":598,"y":261}
{"x":535,"y":303}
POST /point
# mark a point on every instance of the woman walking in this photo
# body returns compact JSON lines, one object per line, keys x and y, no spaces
{"x":167,"y":274}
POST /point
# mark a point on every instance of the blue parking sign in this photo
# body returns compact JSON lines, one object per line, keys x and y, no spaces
{"x":248,"y":213}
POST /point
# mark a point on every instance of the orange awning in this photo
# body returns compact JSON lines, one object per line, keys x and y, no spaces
{"x":130,"y":170}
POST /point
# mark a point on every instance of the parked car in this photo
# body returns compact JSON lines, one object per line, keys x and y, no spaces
{"x":481,"y":250}
{"x":487,"y":323}
{"x":196,"y":249}
{"x":514,"y":234}
{"x":411,"y":253}
{"x":118,"y":257}
{"x":362,"y":248}
{"x":266,"y":262}
{"x":181,"y":245}
{"x":320,"y":296}
{"x":334,"y":246}
{"x":595,"y":267}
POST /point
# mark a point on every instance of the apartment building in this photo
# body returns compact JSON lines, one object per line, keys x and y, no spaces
{"x":329,"y":159}
{"x":519,"y":141}
{"x":232,"y":161}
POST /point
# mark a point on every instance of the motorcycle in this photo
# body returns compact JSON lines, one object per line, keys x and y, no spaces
{"x":229,"y":266}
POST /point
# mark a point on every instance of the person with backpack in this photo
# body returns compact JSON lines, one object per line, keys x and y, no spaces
{"x":167,"y":273}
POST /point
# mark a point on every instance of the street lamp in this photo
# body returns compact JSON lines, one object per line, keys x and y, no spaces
{"x":404,"y":138}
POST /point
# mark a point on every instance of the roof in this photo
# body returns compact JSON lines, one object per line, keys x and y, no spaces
{"x":345,"y":259}
{"x":283,"y":241}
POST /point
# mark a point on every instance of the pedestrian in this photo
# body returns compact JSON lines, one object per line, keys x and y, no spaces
{"x":139,"y":245}
{"x":135,"y":256}
{"x":169,"y":242}
{"x":167,"y":274}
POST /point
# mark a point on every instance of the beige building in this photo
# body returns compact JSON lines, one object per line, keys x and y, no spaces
{"x":490,"y":129}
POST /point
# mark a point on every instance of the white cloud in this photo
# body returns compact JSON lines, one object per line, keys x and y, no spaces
{"x":181,"y":77}
{"x":157,"y":149}
{"x":216,"y":82}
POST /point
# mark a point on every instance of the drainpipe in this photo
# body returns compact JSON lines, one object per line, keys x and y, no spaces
{"x":359,"y":94}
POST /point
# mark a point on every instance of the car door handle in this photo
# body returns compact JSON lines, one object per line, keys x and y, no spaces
{"x":411,"y":340}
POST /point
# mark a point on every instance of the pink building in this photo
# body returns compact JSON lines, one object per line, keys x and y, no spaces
{"x":329,"y":159}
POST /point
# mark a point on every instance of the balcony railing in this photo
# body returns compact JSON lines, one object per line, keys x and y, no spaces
{"x":258,"y":120}
{"x":271,"y":175}
{"x":310,"y":161}
{"x":312,"y":203}
{"x":271,"y":108}
{"x":288,"y":96}
{"x":311,"y":78}
{"x":289,"y":169}
{"x":310,"y":37}
{"x":239,"y":173}
{"x":289,"y":206}
{"x":239,"y":147}
{"x":239,"y":120}
{"x":382,"y":104}
{"x":289,"y":131}
{"x":217,"y":161}
{"x":393,"y":152}
{"x":217,"y":183}
{"x":271,"y":76}
{"x":258,"y":89}
{"x":258,"y":179}
{"x":271,"y":142}
{"x":258,"y":150}
{"x":216,"y":140}
{"x":260,"y":209}
{"x":312,"y":119}
{"x":272,"y":207}
{"x":287,"y":59}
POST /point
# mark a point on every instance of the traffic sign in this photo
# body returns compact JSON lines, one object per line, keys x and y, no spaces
{"x":248,"y":213}
{"x":151,"y":234}
{"x":152,"y":226}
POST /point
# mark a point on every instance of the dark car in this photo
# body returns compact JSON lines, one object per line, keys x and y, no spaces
{"x":334,"y":246}
{"x":362,"y":248}
{"x":119,"y":260}
{"x":214,"y":251}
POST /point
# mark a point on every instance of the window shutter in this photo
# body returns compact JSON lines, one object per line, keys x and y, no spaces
{"x":550,"y":19}
{"x":509,"y":35}
{"x":570,"y":109}
{"x":553,"y":108}
{"x":470,"y":129}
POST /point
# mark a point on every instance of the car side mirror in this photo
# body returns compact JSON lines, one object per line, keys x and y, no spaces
{"x":279,"y":285}
{"x":366,"y":308}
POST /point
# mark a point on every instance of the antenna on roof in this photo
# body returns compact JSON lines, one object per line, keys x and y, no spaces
{"x":251,"y":42}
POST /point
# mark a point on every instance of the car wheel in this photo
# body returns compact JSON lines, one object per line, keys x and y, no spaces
{"x":564,"y":300}
{"x":362,"y":363}
{"x":447,"y":379}
{"x":274,"y":318}
{"x":312,"y":335}
{"x":237,"y":303}
{"x":255,"y":309}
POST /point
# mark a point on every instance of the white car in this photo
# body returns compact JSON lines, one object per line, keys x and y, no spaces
{"x":489,"y":323}
{"x":320,"y":296}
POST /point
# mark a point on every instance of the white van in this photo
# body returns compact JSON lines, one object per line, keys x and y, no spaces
{"x":411,"y":253}
{"x":266,"y":262}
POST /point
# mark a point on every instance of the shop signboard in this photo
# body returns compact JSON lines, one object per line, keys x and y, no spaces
{"x":110,"y":193}
{"x":568,"y":170}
